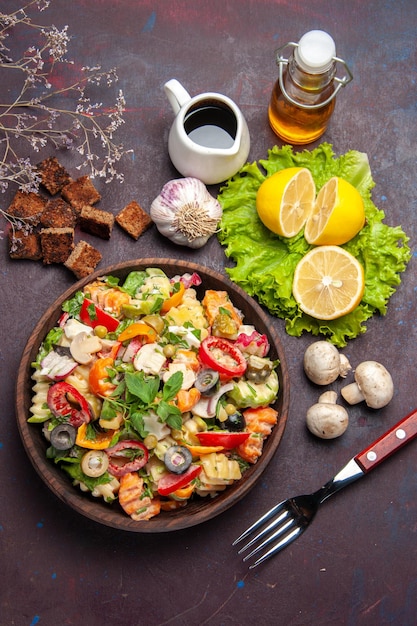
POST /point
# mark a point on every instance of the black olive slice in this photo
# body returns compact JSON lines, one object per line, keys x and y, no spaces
{"x":178,"y":459}
{"x":206,"y":381}
{"x":63,"y":436}
{"x":234,"y":423}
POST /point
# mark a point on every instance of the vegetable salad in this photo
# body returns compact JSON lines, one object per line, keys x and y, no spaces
{"x":149,"y":396}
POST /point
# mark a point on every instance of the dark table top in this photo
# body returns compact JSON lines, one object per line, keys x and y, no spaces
{"x":357,"y":563}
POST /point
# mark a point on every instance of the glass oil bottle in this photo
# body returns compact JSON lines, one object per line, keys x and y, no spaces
{"x":304,"y":95}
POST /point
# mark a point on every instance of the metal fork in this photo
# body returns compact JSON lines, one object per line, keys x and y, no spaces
{"x":291,"y":517}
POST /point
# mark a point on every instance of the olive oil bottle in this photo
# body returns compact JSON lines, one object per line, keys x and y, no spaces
{"x":304,"y":95}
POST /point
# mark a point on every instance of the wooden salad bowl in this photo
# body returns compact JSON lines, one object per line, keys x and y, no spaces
{"x":198,"y":510}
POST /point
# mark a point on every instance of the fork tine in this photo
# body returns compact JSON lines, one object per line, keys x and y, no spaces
{"x":278,"y":520}
{"x":277,"y":547}
{"x":275,"y":509}
{"x":279,"y":532}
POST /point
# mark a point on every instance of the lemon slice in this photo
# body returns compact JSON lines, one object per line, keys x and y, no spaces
{"x":328,"y":282}
{"x":338,"y":214}
{"x":285,"y":200}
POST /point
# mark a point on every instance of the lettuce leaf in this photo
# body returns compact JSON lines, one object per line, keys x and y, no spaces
{"x":265,"y":262}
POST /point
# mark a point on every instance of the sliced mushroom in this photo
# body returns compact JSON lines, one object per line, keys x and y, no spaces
{"x":326,"y":419}
{"x":373,"y":383}
{"x":84,"y":346}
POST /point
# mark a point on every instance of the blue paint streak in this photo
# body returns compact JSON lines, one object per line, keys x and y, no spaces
{"x":53,"y":576}
{"x":149,"y":26}
{"x":1,"y":445}
{"x":240,"y":584}
{"x":39,"y":525}
{"x":35,"y":620}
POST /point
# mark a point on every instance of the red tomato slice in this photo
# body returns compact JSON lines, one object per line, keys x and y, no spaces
{"x":171,"y":482}
{"x":221,"y":355}
{"x":225,"y":439}
{"x":66,"y":401}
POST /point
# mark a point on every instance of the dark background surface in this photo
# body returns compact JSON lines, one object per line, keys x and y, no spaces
{"x":357,"y":563}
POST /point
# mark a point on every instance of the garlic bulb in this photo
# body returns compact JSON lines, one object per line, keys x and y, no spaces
{"x":186,"y":212}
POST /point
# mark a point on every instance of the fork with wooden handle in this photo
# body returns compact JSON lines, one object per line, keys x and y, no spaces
{"x":291,"y":517}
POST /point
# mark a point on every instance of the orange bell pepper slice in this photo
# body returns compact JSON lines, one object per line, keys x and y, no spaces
{"x":98,"y":378}
{"x":138,"y":329}
{"x":174,"y":300}
{"x":198,"y":451}
{"x":101,"y":441}
{"x":184,"y":492}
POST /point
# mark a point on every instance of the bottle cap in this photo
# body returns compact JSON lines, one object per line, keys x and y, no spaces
{"x":315,"y":52}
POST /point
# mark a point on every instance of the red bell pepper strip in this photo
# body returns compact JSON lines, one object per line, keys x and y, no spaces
{"x":93,"y":316}
{"x":168,"y":483}
{"x":225,"y":439}
{"x":221,"y":355}
{"x":127,"y":456}
{"x":64,"y":400}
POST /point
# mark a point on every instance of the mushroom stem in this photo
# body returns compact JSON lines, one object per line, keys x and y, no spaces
{"x":328,"y":397}
{"x":352,"y":393}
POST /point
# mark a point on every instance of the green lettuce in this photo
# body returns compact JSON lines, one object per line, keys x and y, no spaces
{"x":265,"y":262}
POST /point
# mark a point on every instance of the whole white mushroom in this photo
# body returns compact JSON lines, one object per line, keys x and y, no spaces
{"x":326,"y":419}
{"x":373,"y":383}
{"x":323,"y":363}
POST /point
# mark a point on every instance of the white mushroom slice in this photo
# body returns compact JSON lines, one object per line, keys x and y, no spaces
{"x":84,"y":346}
{"x":373,"y":383}
{"x":74,"y":327}
{"x":188,"y":376}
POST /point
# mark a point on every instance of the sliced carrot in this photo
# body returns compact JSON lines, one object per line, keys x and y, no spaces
{"x":187,"y":399}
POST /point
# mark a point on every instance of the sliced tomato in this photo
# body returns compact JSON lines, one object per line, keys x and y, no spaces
{"x":225,"y":439}
{"x":169,"y":483}
{"x":66,"y":401}
{"x":93,"y":316}
{"x":221,"y":355}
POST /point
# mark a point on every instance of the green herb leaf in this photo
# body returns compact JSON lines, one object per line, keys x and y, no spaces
{"x":172,"y":386}
{"x":169,"y":414}
{"x":144,"y":389}
{"x":136,"y":420}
